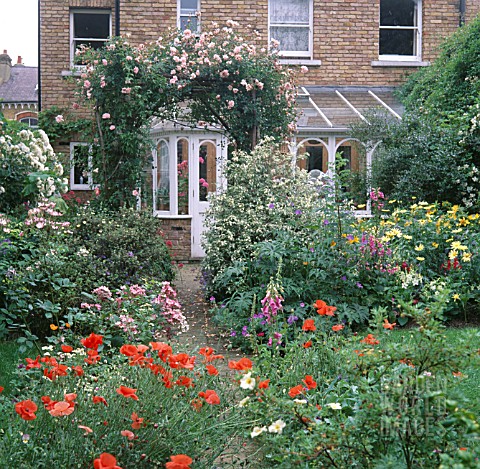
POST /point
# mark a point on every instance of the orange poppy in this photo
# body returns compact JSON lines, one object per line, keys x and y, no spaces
{"x":106,"y":461}
{"x":242,"y":364}
{"x":295,"y":391}
{"x":321,"y":307}
{"x":26,"y":409}
{"x":210,"y":396}
{"x":62,"y":408}
{"x":93,"y":341}
{"x":211,"y":370}
{"x":309,"y":325}
{"x":388,"y":325}
{"x":179,"y":461}
{"x":307,"y":344}
{"x":309,"y":382}
{"x":370,"y":340}
{"x":99,"y":400}
{"x":263,"y":384}
{"x":66,"y":348}
{"x":137,"y":422}
{"x":331,"y":311}
{"x":337,"y":327}
{"x":130,"y":435}
{"x":127,"y":392}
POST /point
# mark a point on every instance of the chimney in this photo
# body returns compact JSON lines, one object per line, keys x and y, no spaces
{"x":5,"y":67}
{"x":19,"y":60}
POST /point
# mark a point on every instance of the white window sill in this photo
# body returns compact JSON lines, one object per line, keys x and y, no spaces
{"x":399,"y":63}
{"x":171,"y":217}
{"x":71,"y":73}
{"x":308,"y":62}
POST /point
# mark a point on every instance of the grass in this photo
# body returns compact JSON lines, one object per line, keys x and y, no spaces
{"x":8,"y":363}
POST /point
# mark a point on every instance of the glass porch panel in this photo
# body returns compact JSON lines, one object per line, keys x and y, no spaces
{"x":162,"y":196}
{"x":317,"y":156}
{"x":182,"y":176}
{"x":354,"y":170}
{"x":207,"y":170}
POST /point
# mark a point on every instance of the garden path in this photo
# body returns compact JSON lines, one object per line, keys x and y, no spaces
{"x":202,"y":332}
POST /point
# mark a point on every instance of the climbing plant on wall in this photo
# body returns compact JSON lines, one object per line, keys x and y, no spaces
{"x":215,"y":79}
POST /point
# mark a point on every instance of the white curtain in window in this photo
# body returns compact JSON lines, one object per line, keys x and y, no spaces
{"x":290,"y":12}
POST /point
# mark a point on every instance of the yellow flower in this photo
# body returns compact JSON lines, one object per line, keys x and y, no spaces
{"x":466,"y":256}
{"x":361,"y":206}
{"x":408,"y":237}
{"x":456,"y":297}
{"x":420,"y":258}
{"x":435,"y":245}
{"x":354,"y":240}
{"x":394,"y":232}
{"x":53,"y":327}
{"x":458,"y":230}
{"x":420,"y":247}
{"x":67,"y":325}
{"x":408,"y":223}
{"x":473,"y":216}
{"x":392,"y":201}
{"x":333,"y":243}
{"x":305,"y":263}
{"x":458,"y":245}
{"x":463,"y":222}
{"x":453,"y":254}
{"x":422,"y":222}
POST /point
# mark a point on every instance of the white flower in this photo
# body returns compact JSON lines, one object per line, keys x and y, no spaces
{"x":300,"y":401}
{"x":334,"y":405}
{"x":277,"y":426}
{"x":244,"y":402}
{"x":257,"y":431}
{"x":247,"y":382}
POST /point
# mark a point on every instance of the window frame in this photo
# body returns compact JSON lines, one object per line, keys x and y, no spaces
{"x":82,"y":187}
{"x":181,"y":15}
{"x":417,"y":57}
{"x":308,"y":55}
{"x":73,"y":12}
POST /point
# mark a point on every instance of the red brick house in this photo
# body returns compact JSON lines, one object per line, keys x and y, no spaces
{"x":357,"y":51}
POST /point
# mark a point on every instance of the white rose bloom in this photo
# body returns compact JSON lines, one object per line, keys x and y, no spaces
{"x":257,"y":431}
{"x":277,"y":426}
{"x":247,"y":382}
{"x":334,"y":405}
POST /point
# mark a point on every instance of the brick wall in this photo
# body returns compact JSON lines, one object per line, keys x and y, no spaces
{"x":179,"y":232}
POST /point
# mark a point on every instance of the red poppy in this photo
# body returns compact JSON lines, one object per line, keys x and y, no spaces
{"x":26,"y":409}
{"x":62,"y":408}
{"x":182,"y":360}
{"x":106,"y":461}
{"x":47,"y":402}
{"x":211,"y":370}
{"x":309,"y":325}
{"x":130,"y":435}
{"x":128,"y":350}
{"x":78,"y":370}
{"x":128,"y":392}
{"x":295,"y":391}
{"x":263,"y":384}
{"x":208,"y":353}
{"x":33,"y":363}
{"x":164,"y":350}
{"x":210,"y":396}
{"x":52,"y":373}
{"x":321,"y":307}
{"x":337,"y":327}
{"x":196,"y":404}
{"x":99,"y":400}
{"x":66,"y":348}
{"x":307,"y":344}
{"x":331,"y":311}
{"x":137,"y":422}
{"x":184,"y":381}
{"x":93,"y":341}
{"x":93,"y":357}
{"x":87,"y":430}
{"x":309,"y":382}
{"x":388,"y":325}
{"x":242,"y":364}
{"x":179,"y":461}
{"x":370,"y":340}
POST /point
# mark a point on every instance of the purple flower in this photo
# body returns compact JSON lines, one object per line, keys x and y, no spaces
{"x":271,"y":205}
{"x":245,"y":331}
{"x":291,"y":319}
{"x":326,"y":222}
{"x":344,"y":278}
{"x":298,"y":212}
{"x":302,"y":305}
{"x":359,"y":285}
{"x":212,"y":299}
{"x":130,"y":254}
{"x":312,"y":249}
{"x":233,"y":334}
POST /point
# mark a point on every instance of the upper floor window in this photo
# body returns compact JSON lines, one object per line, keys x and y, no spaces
{"x":400,"y":29}
{"x":290,"y":23}
{"x":90,"y":28}
{"x":188,"y":14}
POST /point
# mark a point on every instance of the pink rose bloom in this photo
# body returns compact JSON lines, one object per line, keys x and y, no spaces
{"x":135,"y":193}
{"x":59,"y":118}
{"x":224,"y":73}
{"x":86,"y":84}
{"x":230,"y":104}
{"x":75,"y":105}
{"x":304,"y":69}
{"x":106,"y":116}
{"x":126,"y":90}
{"x":129,"y":58}
{"x":112,"y":127}
{"x":97,"y":191}
{"x":135,"y":70}
{"x":173,"y":80}
{"x":104,"y":61}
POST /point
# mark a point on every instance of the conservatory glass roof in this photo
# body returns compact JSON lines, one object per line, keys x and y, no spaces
{"x":335,"y":108}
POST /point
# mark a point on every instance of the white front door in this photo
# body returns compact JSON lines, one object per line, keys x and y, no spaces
{"x":206,"y":178}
